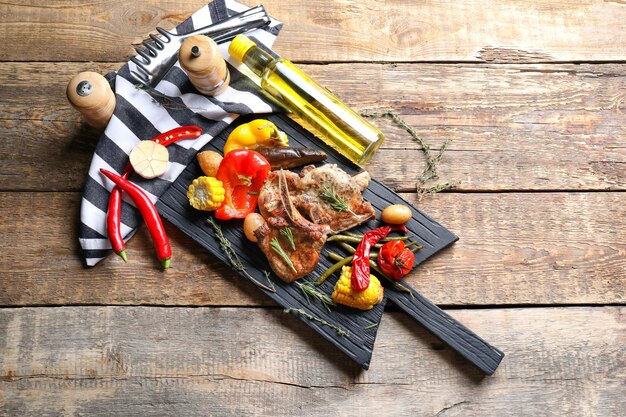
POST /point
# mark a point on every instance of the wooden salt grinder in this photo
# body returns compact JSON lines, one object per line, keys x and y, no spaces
{"x":202,"y":61}
{"x":91,"y":94}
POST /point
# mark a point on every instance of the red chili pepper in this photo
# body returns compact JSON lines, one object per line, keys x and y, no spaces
{"x":395,"y":259}
{"x":242,"y":173}
{"x":113,"y":218}
{"x":115,"y":200}
{"x":361,"y":260}
{"x":179,"y":133}
{"x":150,"y":216}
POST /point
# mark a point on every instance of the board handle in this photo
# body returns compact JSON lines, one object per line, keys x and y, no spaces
{"x":467,"y":343}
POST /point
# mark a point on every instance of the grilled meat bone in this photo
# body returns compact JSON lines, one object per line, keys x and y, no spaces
{"x":308,"y":238}
{"x":314,"y":204}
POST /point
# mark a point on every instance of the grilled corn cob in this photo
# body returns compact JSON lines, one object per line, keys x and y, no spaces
{"x":205,"y":193}
{"x":363,"y":300}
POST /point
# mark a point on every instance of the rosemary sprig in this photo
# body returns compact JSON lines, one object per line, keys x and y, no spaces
{"x":232,"y":256}
{"x":289,"y":235}
{"x":275,"y":244}
{"x":310,"y":291}
{"x":329,"y":195}
{"x":309,"y":316}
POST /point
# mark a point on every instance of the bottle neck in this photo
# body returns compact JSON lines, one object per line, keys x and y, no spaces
{"x":257,"y":60}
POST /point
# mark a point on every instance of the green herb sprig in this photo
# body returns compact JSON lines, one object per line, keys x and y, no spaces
{"x":275,"y":244}
{"x":233,"y":258}
{"x":432,"y":162}
{"x":310,"y":291}
{"x":329,"y":195}
{"x":309,"y":316}
{"x":289,"y":235}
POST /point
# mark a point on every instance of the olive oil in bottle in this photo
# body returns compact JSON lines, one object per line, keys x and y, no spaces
{"x":317,"y":109}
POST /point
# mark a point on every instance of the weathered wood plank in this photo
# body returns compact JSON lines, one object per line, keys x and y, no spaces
{"x":509,"y":126}
{"x":335,"y":30}
{"x":526,"y":248}
{"x":143,"y":361}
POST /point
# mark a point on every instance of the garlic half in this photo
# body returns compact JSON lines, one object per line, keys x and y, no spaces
{"x":149,"y":159}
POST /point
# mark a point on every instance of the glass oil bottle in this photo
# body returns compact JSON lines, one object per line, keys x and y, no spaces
{"x":317,"y":109}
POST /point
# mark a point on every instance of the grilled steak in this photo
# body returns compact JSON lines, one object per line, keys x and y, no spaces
{"x":312,"y":205}
{"x":328,"y":195}
{"x":281,"y":221}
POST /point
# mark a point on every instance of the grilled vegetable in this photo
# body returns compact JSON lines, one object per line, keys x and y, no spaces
{"x":256,"y":133}
{"x":395,"y":259}
{"x":360,"y":262}
{"x":209,"y":162}
{"x":206,"y":193}
{"x":287,"y":157}
{"x":252,"y":222}
{"x":242,"y":173}
{"x":363,"y":300}
{"x":396,"y":214}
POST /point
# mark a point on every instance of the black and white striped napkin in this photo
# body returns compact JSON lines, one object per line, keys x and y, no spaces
{"x":141,"y":114}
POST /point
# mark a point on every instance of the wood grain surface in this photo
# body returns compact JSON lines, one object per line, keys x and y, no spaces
{"x":510,"y":127}
{"x":148,"y":361}
{"x":337,"y":30}
{"x":515,"y":248}
{"x":531,"y":97}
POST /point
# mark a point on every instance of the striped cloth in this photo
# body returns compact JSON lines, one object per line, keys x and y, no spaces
{"x":141,"y":114}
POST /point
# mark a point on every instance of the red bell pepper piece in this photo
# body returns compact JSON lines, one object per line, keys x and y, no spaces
{"x":242,"y":172}
{"x":395,"y":259}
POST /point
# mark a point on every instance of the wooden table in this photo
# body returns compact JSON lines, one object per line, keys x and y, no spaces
{"x":531,"y":96}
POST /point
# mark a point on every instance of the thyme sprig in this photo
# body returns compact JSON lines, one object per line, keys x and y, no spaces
{"x":432,"y":162}
{"x":275,"y":244}
{"x":267,"y":277}
{"x":289,"y":235}
{"x":329,"y":195}
{"x":310,"y":291}
{"x":233,"y":258}
{"x":309,"y":316}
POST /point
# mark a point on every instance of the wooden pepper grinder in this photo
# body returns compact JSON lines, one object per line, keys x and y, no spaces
{"x":202,"y":61}
{"x":91,"y":94}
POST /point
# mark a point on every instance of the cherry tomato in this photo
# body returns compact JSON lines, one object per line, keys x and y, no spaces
{"x":395,"y":259}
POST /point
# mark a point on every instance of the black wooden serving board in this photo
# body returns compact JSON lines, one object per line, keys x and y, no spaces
{"x":361,"y":326}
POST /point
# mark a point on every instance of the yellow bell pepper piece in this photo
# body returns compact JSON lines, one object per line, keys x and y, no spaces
{"x":363,"y":300}
{"x":206,"y":193}
{"x":259,"y":132}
